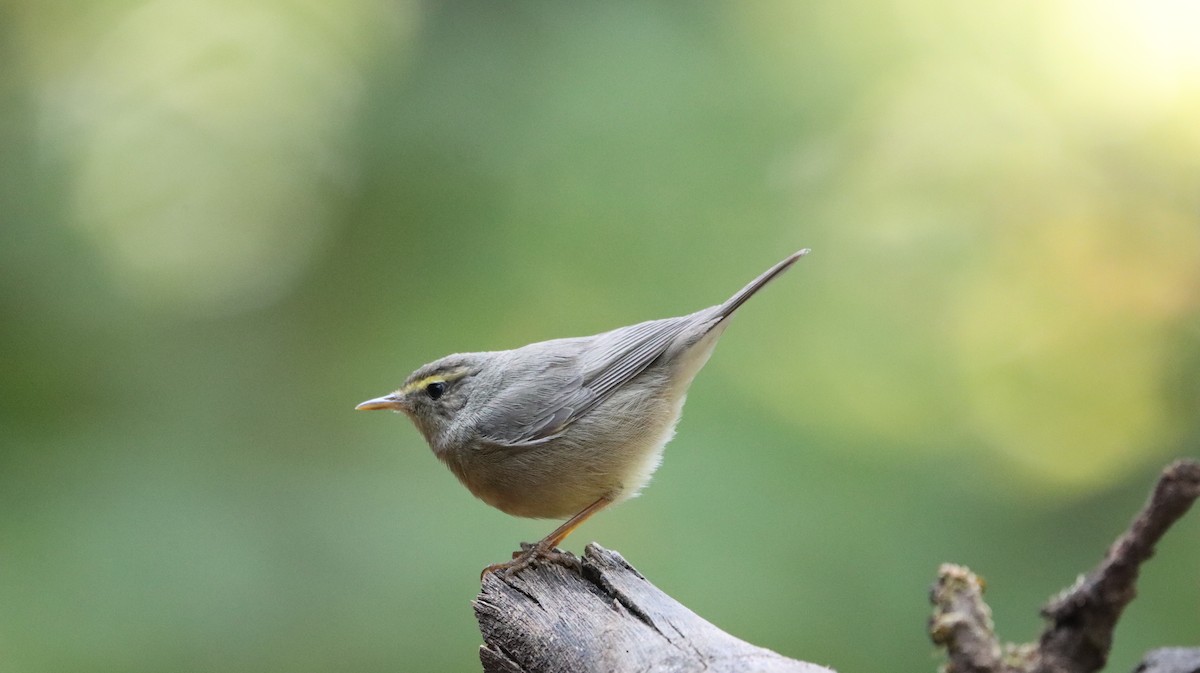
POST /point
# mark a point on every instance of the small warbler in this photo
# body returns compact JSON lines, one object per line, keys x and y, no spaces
{"x":566,"y":427}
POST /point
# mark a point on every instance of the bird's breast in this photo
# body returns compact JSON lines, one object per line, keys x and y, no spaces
{"x":612,"y":451}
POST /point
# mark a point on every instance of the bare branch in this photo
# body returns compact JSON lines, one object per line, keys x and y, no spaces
{"x":1081,"y":619}
{"x":962,"y":622}
{"x":1078,"y":637}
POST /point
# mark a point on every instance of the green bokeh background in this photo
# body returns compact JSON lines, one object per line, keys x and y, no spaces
{"x":224,"y":224}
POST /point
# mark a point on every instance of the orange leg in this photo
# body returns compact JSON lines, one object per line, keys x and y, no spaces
{"x":545,"y":547}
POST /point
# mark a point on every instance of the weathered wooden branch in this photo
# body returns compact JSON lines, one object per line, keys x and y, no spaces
{"x":962,"y":622}
{"x":1170,"y":660}
{"x":1080,"y":620}
{"x":605,"y":616}
{"x":602,"y":615}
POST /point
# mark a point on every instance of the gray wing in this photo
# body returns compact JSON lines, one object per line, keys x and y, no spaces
{"x":560,"y":381}
{"x":531,"y":410}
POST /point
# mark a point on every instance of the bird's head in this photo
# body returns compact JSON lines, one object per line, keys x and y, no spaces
{"x":434,"y":394}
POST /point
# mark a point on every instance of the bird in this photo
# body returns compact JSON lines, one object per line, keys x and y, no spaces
{"x":561,"y":429}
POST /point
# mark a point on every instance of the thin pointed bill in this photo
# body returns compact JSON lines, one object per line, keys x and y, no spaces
{"x":389,"y":401}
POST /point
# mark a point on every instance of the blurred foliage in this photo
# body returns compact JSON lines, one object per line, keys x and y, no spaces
{"x":225,"y":224}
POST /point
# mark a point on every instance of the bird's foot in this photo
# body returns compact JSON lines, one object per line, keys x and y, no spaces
{"x":532,"y":554}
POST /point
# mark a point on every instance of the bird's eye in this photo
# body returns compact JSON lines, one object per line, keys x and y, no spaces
{"x":435,"y":390}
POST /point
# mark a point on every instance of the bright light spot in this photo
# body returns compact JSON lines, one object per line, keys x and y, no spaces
{"x":1146,"y":52}
{"x":208,"y":142}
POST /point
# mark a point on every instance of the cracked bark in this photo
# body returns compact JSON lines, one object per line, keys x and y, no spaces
{"x":605,"y":616}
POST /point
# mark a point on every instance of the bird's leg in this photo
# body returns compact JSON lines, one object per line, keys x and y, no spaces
{"x":545,"y":548}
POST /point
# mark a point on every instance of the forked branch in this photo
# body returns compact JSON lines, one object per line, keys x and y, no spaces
{"x":1080,"y":620}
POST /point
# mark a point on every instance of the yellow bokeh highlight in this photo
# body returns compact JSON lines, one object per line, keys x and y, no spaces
{"x":1061,"y":343}
{"x":1014,"y":243}
{"x":208,"y":141}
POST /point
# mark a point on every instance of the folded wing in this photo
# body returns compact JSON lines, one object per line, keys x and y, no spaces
{"x":533,"y":411}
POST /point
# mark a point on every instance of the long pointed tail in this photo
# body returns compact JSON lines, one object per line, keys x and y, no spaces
{"x":757,"y":284}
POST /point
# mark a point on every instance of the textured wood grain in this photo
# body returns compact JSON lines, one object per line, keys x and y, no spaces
{"x":605,"y":616}
{"x":1170,"y":660}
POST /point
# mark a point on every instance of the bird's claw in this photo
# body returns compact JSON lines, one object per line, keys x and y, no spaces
{"x":530,"y":555}
{"x":526,"y":548}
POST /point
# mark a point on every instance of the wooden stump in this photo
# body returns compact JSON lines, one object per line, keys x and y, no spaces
{"x":605,"y":616}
